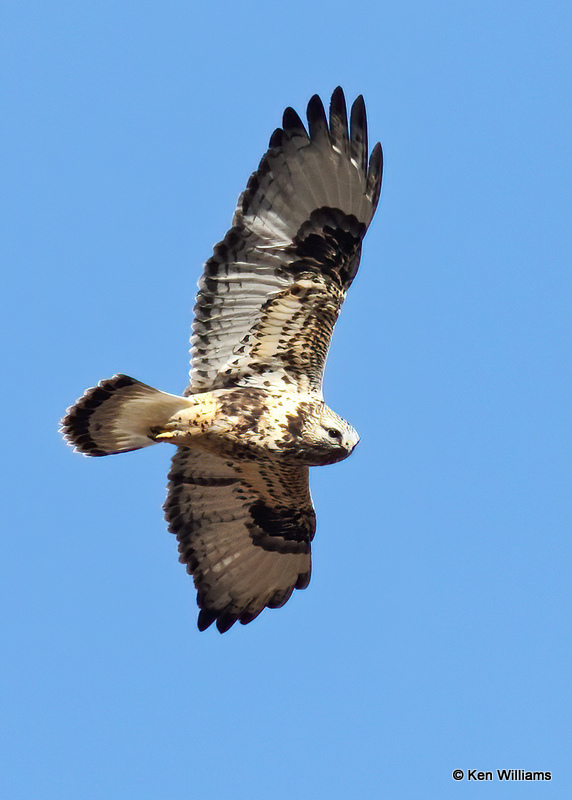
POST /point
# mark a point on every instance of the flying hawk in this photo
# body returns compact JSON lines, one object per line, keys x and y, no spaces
{"x":253,"y":419}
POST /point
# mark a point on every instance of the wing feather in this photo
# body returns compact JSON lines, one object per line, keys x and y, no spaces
{"x":301,"y":219}
{"x":244,"y":532}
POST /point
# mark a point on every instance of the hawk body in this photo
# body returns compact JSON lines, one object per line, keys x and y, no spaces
{"x":253,"y":420}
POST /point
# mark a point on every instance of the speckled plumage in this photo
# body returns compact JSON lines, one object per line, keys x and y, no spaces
{"x":253,"y":419}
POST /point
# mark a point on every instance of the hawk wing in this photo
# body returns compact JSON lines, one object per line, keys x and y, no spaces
{"x":271,"y":293}
{"x":244,"y":532}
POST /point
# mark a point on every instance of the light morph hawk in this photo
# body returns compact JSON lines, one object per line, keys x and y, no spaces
{"x":253,"y":419}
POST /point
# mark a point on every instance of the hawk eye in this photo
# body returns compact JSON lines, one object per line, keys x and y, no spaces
{"x":334,"y":434}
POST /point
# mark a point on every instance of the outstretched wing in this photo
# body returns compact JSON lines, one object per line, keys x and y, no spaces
{"x":244,"y":532}
{"x":271,"y":293}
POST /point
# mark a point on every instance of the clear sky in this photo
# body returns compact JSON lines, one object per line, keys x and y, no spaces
{"x":435,"y":634}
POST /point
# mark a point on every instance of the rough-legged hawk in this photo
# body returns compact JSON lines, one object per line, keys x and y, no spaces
{"x":253,"y":419}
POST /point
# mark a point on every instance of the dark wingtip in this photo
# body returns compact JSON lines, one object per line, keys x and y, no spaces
{"x":225,"y":621}
{"x":249,"y":616}
{"x":315,"y":105}
{"x":276,"y":138}
{"x":374,"y":175}
{"x":292,"y":124}
{"x":338,"y":97}
{"x":339,"y":118}
{"x":206,"y":619}
{"x":358,"y":111}
{"x":317,"y":121}
{"x":358,"y":133}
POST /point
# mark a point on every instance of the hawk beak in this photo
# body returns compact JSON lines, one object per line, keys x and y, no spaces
{"x":165,"y":436}
{"x":353,"y":441}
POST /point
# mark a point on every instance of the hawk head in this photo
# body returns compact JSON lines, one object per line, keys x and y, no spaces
{"x":319,"y":435}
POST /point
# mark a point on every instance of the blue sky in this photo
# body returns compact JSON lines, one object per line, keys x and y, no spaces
{"x":435,"y":634}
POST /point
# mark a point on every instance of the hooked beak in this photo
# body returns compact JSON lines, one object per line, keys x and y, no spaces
{"x":352,"y":441}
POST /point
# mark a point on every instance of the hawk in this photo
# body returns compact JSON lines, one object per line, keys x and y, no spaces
{"x":253,"y":418}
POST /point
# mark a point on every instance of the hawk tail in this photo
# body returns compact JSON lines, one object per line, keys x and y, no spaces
{"x":117,"y":416}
